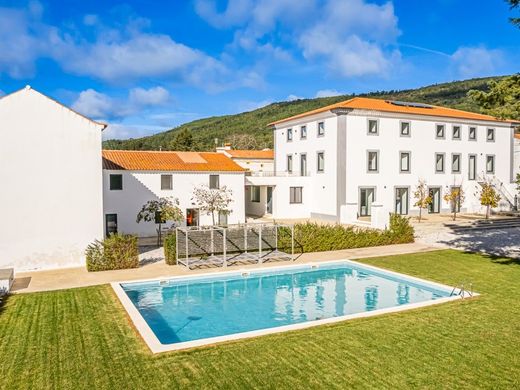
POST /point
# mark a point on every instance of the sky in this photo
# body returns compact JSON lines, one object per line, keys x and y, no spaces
{"x":146,"y":66}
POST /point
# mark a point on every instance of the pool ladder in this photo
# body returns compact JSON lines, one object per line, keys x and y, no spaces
{"x":462,"y":290}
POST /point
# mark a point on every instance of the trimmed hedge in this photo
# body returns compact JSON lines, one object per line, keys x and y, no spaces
{"x":170,"y":249}
{"x":117,"y":251}
{"x":313,"y":237}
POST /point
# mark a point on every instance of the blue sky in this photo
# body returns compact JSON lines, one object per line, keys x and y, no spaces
{"x":147,"y":66}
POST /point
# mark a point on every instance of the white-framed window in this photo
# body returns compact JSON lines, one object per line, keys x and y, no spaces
{"x":373,"y":127}
{"x":440,"y":131}
{"x":116,"y":182}
{"x":214,"y":182}
{"x":456,"y":131}
{"x":472,"y":133}
{"x":373,"y":161}
{"x":255,"y":194}
{"x":289,"y":163}
{"x":490,"y":163}
{"x":404,"y":162}
{"x":320,"y":161}
{"x":401,"y":200}
{"x":490,"y":135}
{"x":455,"y":162}
{"x":166,"y":182}
{"x":303,"y":132}
{"x":439,"y":162}
{"x":406,"y":128}
{"x":472,"y":168}
{"x":295,"y":195}
{"x":321,"y":129}
{"x":289,"y":135}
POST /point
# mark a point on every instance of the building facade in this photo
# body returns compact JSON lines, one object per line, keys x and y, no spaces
{"x":132,"y":178}
{"x":360,"y":160}
{"x":50,"y":165}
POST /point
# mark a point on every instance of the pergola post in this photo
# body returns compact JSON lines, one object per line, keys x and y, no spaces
{"x":187,"y":251}
{"x":260,"y":244}
{"x":224,"y":247}
{"x":212,"y":243}
{"x":292,"y":242}
{"x":245,"y":237}
{"x":177,"y":245}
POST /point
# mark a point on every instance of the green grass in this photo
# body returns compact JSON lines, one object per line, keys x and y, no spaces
{"x":81,"y":338}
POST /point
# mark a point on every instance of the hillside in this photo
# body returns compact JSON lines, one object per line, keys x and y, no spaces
{"x":249,"y":129}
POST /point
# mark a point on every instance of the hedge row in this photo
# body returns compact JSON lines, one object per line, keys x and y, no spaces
{"x":313,"y":237}
{"x":117,"y":251}
{"x":170,"y":249}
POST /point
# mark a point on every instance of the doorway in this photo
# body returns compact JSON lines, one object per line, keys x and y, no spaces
{"x":435,"y":205}
{"x":401,"y":200}
{"x":303,"y":164}
{"x":269,"y":203}
{"x":192,"y":217}
{"x":366,"y":198}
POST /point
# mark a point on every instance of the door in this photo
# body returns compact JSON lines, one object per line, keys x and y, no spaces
{"x":435,"y":205}
{"x":366,"y":198}
{"x":455,"y":204}
{"x":110,"y":224}
{"x":401,"y":201}
{"x":303,"y":164}
{"x":192,"y":217}
{"x":269,"y":205}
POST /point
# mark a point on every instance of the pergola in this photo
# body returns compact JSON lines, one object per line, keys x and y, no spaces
{"x":200,"y":246}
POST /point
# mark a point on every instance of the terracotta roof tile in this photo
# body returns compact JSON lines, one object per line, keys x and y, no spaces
{"x":387,"y":106}
{"x":134,"y":160}
{"x":259,"y":154}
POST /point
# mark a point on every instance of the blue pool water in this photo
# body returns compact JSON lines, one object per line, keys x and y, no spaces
{"x":191,"y":309}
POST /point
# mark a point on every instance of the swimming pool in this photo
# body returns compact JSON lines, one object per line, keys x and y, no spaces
{"x":182,"y":312}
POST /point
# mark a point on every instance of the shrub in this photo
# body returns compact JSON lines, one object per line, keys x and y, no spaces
{"x":117,"y":251}
{"x":313,"y":237}
{"x":170,"y":249}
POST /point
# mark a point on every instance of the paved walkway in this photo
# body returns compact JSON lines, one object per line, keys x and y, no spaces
{"x":154,"y":267}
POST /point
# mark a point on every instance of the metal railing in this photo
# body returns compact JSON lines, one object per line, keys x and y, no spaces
{"x":277,"y":174}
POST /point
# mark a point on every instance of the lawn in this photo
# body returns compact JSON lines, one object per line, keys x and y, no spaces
{"x":81,"y":338}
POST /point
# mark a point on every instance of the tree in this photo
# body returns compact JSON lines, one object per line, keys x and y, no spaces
{"x":243,"y":141}
{"x":212,"y":200}
{"x":422,"y":195}
{"x":183,"y":141}
{"x":489,"y":197}
{"x":514,"y":4}
{"x":502,"y":100}
{"x":160,"y":211}
{"x":455,"y":197}
{"x":517,"y":182}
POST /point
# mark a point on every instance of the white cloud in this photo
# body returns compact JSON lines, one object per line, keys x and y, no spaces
{"x":476,"y":61}
{"x":94,"y":104}
{"x":236,"y":12}
{"x":253,"y":105}
{"x":327,"y":93}
{"x":125,"y":131}
{"x":152,"y":96}
{"x":292,"y":98}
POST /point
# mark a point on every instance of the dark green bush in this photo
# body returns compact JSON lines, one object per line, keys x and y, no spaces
{"x":313,"y":237}
{"x":117,"y":251}
{"x":170,"y":249}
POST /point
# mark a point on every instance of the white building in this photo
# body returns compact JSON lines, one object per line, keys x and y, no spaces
{"x":358,"y":160}
{"x":51,"y":194}
{"x":258,"y":163}
{"x":132,"y":178}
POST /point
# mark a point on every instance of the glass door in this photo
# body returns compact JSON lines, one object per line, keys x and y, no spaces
{"x":303,"y":164}
{"x":435,"y":205}
{"x":366,"y":198}
{"x":111,"y":224}
{"x":401,"y":201}
{"x":269,"y":206}
{"x":192,"y":217}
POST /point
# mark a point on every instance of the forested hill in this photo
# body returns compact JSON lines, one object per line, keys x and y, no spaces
{"x":249,"y":129}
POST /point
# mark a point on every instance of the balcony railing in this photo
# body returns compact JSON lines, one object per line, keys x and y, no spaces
{"x":277,"y":174}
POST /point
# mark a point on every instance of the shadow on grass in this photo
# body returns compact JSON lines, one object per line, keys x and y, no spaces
{"x":3,"y":300}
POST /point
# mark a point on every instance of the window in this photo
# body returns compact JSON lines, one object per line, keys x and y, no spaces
{"x":490,"y":135}
{"x":439,"y":162}
{"x":456,"y":132}
{"x":472,"y":169}
{"x":303,"y":164}
{"x":401,"y":200}
{"x":321,"y":129}
{"x":214,"y":182}
{"x":289,"y":135}
{"x":110,"y":224}
{"x":295,"y":194}
{"x":373,"y":127}
{"x":405,"y":129}
{"x":404,"y":161}
{"x":223,"y":218}
{"x":255,"y":194}
{"x":303,"y":132}
{"x":372,"y":161}
{"x":321,"y":161}
{"x":490,"y":164}
{"x":116,"y":182}
{"x":472,"y":134}
{"x":166,"y":182}
{"x":192,"y":217}
{"x":455,"y":163}
{"x":439,"y":131}
{"x":289,"y":163}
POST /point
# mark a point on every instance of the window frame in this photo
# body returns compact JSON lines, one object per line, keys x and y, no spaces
{"x":114,"y":175}
{"x":407,"y":188}
{"x":252,"y":195}
{"x":107,"y":233}
{"x":443,"y":162}
{"x":170,"y":176}
{"x":289,"y":163}
{"x":218,"y":182}
{"x":443,"y":131}
{"x":303,"y":130}
{"x":368,"y":161}
{"x":460,"y":163}
{"x":368,"y":126}
{"x":470,"y":156}
{"x":453,"y":127}
{"x":493,"y":130}
{"x":469,"y":133}
{"x":409,"y":153}
{"x":493,"y":159}
{"x":318,"y":170}
{"x":401,"y":128}
{"x":293,"y":199}
{"x":318,"y":132}
{"x":289,"y":136}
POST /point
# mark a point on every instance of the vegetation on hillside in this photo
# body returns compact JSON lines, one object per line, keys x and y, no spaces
{"x":502,"y":100}
{"x":249,"y":129}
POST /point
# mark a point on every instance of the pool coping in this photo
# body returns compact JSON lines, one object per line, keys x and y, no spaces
{"x":156,"y":346}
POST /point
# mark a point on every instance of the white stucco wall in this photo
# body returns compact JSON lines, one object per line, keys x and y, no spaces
{"x":142,"y":186}
{"x":50,"y":170}
{"x":516,"y":164}
{"x":255,"y":165}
